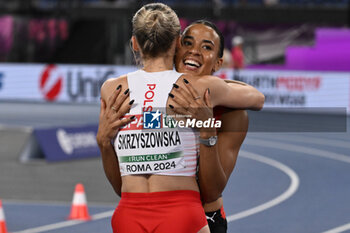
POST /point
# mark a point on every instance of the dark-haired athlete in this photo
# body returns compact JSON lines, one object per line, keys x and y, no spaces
{"x":201,"y":53}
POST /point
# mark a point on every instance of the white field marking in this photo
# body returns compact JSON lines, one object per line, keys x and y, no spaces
{"x":339,"y":229}
{"x":102,"y":215}
{"x":293,"y":187}
{"x":66,"y":223}
{"x":56,"y":203}
{"x":288,"y":193}
{"x":300,"y":149}
{"x":310,"y":151}
{"x":317,"y":141}
{"x":25,"y":129}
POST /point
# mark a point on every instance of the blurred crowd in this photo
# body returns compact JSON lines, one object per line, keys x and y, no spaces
{"x":265,"y":2}
{"x":30,"y":35}
{"x":48,"y":3}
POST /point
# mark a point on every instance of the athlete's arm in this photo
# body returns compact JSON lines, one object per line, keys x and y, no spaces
{"x":233,"y":95}
{"x":114,"y":105}
{"x":236,"y":82}
{"x":187,"y":101}
{"x":230,"y":138}
{"x":248,"y":93}
{"x":211,"y":176}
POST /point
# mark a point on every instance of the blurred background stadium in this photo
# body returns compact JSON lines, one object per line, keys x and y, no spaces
{"x":55,"y":54}
{"x":98,"y":32}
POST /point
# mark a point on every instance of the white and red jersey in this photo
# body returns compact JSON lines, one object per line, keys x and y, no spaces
{"x":148,"y":145}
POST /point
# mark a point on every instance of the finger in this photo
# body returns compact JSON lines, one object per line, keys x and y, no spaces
{"x":122,"y":122}
{"x":178,"y":113}
{"x":178,"y":98}
{"x":207,"y":99}
{"x":120,"y":100}
{"x":178,"y":109}
{"x":124,"y":109}
{"x":191,"y":89}
{"x":189,"y":107}
{"x":185,"y":94}
{"x":181,"y":92}
{"x":114,"y":96}
{"x":188,"y":103}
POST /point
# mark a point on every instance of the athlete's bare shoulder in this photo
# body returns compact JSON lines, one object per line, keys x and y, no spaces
{"x":111,"y":84}
{"x":199,"y":82}
{"x":210,"y":81}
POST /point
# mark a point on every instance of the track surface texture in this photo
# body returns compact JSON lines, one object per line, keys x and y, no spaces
{"x":285,"y":181}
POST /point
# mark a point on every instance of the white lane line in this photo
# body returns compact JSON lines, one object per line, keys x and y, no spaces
{"x":312,"y":140}
{"x":300,"y":149}
{"x":66,"y":223}
{"x":51,"y":226}
{"x":26,"y":129}
{"x":339,"y":229}
{"x":306,"y":150}
{"x":56,"y":203}
{"x":293,"y":187}
{"x":102,"y":215}
{"x":288,"y":193}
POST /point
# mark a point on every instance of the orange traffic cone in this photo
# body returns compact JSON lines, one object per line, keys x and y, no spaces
{"x":2,"y":220}
{"x":79,"y":210}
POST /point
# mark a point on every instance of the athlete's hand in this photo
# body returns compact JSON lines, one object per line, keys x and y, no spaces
{"x":111,"y":116}
{"x":187,"y":101}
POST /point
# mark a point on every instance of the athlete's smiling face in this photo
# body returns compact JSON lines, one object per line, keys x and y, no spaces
{"x":198,"y":53}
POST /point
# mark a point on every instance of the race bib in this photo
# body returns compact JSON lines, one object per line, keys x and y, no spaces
{"x":151,"y":163}
{"x":149,"y":151}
